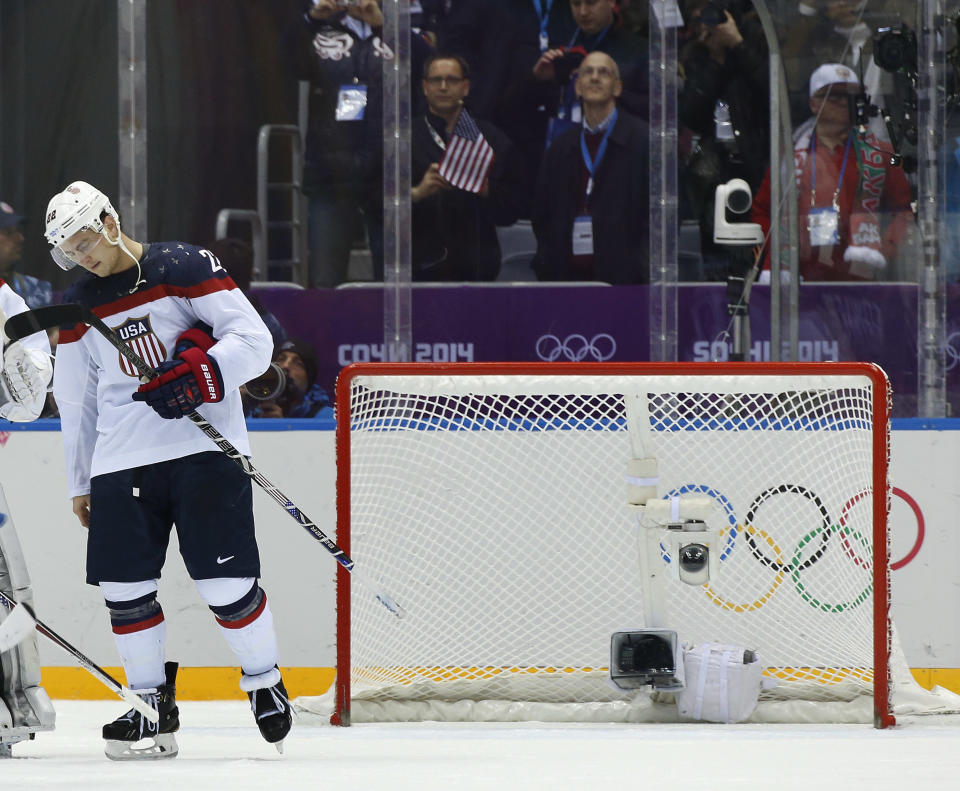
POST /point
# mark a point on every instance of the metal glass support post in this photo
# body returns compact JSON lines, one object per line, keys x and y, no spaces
{"x":132,"y":116}
{"x":397,"y":296}
{"x":783,"y":202}
{"x":663,"y":180}
{"x":931,"y":186}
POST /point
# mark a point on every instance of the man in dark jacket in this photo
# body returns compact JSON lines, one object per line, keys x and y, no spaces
{"x":540,"y":101}
{"x":454,"y":231}
{"x":725,"y":67}
{"x":591,"y":211}
{"x":338,"y":48}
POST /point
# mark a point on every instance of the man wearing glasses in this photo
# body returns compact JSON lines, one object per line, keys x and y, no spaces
{"x":590,"y":212}
{"x":853,"y":206}
{"x":454,"y":230}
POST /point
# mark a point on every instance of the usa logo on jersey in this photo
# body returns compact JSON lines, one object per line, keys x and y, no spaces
{"x":138,"y":334}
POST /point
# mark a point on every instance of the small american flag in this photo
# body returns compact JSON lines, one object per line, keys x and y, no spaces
{"x":468,"y":157}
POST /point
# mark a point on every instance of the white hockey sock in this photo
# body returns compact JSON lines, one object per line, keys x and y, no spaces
{"x":139,"y":630}
{"x":142,"y":655}
{"x":254,"y":642}
{"x":246,"y":622}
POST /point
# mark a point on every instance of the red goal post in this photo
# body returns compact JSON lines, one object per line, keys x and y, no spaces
{"x":488,"y":497}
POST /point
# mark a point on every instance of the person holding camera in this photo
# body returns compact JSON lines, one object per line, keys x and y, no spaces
{"x":541,"y":100}
{"x":833,"y":31}
{"x":853,"y":205}
{"x":598,"y":30}
{"x":289,"y":387}
{"x":592,"y":195}
{"x":337,"y":46}
{"x":724,"y":103}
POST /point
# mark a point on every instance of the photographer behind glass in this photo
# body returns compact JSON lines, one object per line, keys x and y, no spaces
{"x":724,"y":61}
{"x":853,"y":205}
{"x":288,"y":387}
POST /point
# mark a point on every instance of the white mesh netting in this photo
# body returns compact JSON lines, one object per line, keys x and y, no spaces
{"x":493,"y":509}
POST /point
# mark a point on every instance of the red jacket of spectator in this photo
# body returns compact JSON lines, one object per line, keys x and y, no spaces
{"x":874,"y":207}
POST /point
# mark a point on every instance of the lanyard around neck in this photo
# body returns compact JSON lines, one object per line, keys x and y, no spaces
{"x":436,"y":135}
{"x":543,"y":15}
{"x":593,"y":163}
{"x":813,"y":170}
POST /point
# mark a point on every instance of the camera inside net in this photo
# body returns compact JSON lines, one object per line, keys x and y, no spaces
{"x":644,"y":657}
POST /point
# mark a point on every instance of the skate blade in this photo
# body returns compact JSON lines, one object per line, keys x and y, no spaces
{"x":152,"y":748}
{"x":279,"y":746}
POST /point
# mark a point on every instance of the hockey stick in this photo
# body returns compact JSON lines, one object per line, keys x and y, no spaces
{"x":87,"y":664}
{"x":32,"y":321}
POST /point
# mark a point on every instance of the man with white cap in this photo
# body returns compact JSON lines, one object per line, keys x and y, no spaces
{"x":853,"y":206}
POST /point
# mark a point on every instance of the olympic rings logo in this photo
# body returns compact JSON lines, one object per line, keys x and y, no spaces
{"x":810,"y":549}
{"x":575,"y":348}
{"x":950,"y":351}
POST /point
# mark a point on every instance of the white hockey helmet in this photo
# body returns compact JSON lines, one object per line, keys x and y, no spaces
{"x":77,"y":208}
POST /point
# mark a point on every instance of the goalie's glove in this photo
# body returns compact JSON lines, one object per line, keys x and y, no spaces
{"x":23,"y":382}
{"x":190,"y":379}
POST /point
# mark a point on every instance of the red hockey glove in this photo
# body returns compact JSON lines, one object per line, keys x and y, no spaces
{"x":190,"y":379}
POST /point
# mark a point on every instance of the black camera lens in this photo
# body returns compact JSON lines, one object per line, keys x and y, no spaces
{"x":693,"y":558}
{"x":270,"y":384}
{"x":895,"y":48}
{"x":713,"y":14}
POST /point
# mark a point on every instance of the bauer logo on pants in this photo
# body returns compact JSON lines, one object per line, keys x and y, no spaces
{"x":138,"y":334}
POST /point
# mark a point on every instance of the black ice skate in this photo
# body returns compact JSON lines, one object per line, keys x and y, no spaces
{"x":271,"y":707}
{"x":125,"y":733}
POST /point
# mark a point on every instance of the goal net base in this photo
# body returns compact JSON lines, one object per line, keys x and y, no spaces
{"x":910,"y":700}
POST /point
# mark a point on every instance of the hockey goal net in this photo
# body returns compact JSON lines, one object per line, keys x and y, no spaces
{"x":491,"y":501}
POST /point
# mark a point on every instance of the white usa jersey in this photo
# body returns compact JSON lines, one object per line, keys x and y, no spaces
{"x":11,"y":303}
{"x":104,"y":429}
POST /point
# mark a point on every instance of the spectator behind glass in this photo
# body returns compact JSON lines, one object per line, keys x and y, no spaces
{"x":35,"y":292}
{"x":591,"y":206}
{"x":724,"y":102}
{"x":853,"y":206}
{"x":236,"y":256}
{"x":541,"y":100}
{"x":454,"y":231}
{"x":338,"y":49}
{"x":300,"y":395}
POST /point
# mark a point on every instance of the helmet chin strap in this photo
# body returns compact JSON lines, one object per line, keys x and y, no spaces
{"x":118,"y":242}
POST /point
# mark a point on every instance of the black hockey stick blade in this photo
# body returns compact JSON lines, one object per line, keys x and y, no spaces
{"x":31,"y":321}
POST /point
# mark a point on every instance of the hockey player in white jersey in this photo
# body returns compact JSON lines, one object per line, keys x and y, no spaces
{"x":26,"y":366}
{"x":134,"y":468}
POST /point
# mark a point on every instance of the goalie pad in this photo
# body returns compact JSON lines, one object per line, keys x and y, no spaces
{"x":723,"y":683}
{"x":25,"y":706}
{"x":24,"y":380}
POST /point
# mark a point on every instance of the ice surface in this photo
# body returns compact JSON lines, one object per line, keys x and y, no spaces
{"x":220,"y":749}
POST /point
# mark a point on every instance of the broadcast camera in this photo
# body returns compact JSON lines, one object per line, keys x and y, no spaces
{"x":736,"y":198}
{"x":895,"y":51}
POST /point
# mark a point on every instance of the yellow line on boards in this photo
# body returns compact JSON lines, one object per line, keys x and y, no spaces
{"x":193,"y":683}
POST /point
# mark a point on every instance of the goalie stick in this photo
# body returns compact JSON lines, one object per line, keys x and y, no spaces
{"x":32,"y":321}
{"x":87,"y":664}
